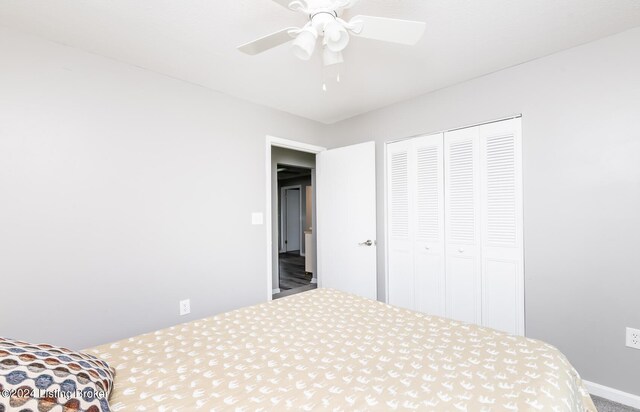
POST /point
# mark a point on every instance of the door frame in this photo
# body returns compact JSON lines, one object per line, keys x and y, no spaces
{"x":282,"y":220}
{"x":272,"y":141}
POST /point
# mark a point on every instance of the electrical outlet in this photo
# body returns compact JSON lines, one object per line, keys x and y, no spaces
{"x":185,"y":307}
{"x":633,"y":338}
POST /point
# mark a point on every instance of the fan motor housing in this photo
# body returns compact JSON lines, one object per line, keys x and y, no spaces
{"x":320,"y":18}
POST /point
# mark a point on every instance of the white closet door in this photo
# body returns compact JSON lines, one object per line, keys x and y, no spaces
{"x":428,"y":207}
{"x":462,"y":223}
{"x":400,"y":259}
{"x":502,"y":226}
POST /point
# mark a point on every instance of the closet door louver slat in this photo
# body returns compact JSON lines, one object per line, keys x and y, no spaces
{"x":461,"y":191}
{"x":501,"y":190}
{"x":400,"y":194}
{"x":428,"y":193}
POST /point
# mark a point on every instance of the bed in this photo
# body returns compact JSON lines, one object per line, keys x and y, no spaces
{"x":327,"y":350}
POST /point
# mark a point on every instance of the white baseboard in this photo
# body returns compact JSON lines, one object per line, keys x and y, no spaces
{"x":612,"y":394}
{"x":274,"y":291}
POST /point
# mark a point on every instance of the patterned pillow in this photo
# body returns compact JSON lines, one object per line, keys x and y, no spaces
{"x":43,"y":377}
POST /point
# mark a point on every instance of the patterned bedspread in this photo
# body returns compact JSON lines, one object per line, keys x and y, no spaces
{"x":327,"y":350}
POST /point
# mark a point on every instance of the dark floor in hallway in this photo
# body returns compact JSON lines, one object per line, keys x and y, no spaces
{"x":293,"y":291}
{"x":292,"y":274}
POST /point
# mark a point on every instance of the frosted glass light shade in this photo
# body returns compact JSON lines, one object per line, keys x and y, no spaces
{"x":336,"y":36}
{"x":304,"y":45}
{"x":330,"y":57}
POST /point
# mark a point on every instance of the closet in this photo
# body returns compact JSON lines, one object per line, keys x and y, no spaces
{"x":454,"y":225}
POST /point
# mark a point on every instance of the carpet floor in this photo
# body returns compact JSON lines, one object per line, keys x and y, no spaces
{"x":605,"y":405}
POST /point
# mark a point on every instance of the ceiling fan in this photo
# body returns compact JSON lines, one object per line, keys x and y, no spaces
{"x":325,"y":24}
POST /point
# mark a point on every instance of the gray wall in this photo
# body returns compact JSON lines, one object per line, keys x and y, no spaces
{"x":581,"y":131}
{"x":116,"y":196}
{"x":287,"y":157}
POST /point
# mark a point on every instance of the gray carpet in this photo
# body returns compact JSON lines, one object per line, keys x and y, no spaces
{"x":605,"y":405}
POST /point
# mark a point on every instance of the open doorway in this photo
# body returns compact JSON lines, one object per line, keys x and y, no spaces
{"x":293,"y":246}
{"x":297,"y":249}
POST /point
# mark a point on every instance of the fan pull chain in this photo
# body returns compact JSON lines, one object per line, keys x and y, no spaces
{"x":324,"y":79}
{"x":330,"y":73}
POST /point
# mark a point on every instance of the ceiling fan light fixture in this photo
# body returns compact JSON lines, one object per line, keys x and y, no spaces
{"x":325,"y":21}
{"x":330,"y":57}
{"x":305,"y":43}
{"x":336,"y":36}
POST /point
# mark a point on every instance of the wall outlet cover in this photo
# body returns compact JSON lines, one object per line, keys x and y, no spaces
{"x":633,"y":338}
{"x":185,"y":307}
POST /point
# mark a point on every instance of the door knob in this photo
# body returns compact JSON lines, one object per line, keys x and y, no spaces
{"x":367,"y":243}
{"x":460,"y":250}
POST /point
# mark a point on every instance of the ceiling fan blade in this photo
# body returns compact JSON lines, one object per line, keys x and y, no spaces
{"x":389,"y":30}
{"x":349,"y":3}
{"x":267,"y":42}
{"x":294,"y":5}
{"x":284,"y":3}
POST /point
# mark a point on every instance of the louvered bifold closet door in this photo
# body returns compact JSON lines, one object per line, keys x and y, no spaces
{"x":502,"y":226}
{"x":462,"y":225}
{"x":400,"y":251}
{"x":428,"y":220}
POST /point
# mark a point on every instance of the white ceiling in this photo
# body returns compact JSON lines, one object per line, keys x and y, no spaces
{"x":195,"y":40}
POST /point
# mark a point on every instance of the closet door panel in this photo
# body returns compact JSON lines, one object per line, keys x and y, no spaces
{"x":429,"y":260}
{"x":462,"y":225}
{"x":401,"y":283}
{"x":400,"y":264}
{"x":462,"y":284}
{"x":498,"y":297}
{"x":430,"y":282}
{"x":502,"y":226}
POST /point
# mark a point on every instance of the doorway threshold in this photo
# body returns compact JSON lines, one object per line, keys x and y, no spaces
{"x":293,"y":291}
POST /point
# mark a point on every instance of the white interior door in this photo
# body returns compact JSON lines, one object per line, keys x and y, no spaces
{"x":292,"y":219}
{"x":462,"y":225}
{"x":346,"y":219}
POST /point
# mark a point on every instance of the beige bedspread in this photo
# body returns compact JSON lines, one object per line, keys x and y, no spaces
{"x":326,"y":350}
